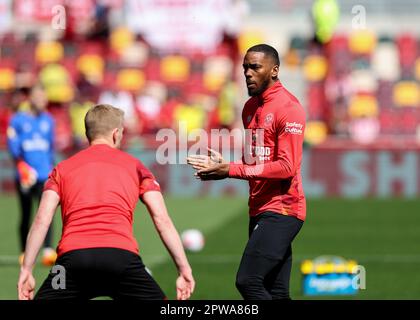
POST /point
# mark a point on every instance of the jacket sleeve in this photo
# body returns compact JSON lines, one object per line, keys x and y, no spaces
{"x":13,"y":139}
{"x":290,"y":132}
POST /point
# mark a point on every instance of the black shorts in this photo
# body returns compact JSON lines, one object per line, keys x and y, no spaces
{"x":97,"y":272}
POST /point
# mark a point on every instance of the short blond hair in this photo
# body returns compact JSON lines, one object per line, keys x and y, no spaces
{"x":101,"y":119}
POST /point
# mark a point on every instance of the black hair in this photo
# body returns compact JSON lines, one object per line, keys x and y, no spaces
{"x":267,"y":50}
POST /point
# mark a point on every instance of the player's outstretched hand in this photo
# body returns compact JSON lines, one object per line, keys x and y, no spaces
{"x":215,"y":172}
{"x":26,"y":285}
{"x":200,"y":161}
{"x":185,"y":285}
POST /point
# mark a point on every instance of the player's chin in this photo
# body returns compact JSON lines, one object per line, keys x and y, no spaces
{"x":253,"y":92}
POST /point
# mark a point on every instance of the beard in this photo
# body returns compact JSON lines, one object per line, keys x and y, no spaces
{"x":258,"y":90}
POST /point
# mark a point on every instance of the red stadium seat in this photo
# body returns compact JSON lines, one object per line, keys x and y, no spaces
{"x":316,"y":102}
{"x":152,"y":69}
{"x":408,"y":49}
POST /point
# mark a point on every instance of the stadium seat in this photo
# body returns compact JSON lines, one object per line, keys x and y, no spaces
{"x":26,"y":54}
{"x":249,"y":38}
{"x":316,"y":101}
{"x":406,"y":94}
{"x":70,"y":63}
{"x":195,"y":85}
{"x":385,"y":62}
{"x":174,"y":69}
{"x":49,"y":52}
{"x":217,"y":71}
{"x":190,"y":115}
{"x":408,"y":49}
{"x":339,"y":42}
{"x":7,"y":78}
{"x":340,"y":63}
{"x":57,"y":83}
{"x":384,"y":94}
{"x":315,"y":68}
{"x":362,"y":42}
{"x":387,"y":121}
{"x":417,"y":69}
{"x":91,"y":66}
{"x":363,"y":81}
{"x":292,"y":58}
{"x":130,"y":80}
{"x":121,"y":39}
{"x":364,"y":130}
{"x":92,"y":47}
{"x":135,"y":55}
{"x":409,"y":120}
{"x":315,"y":132}
{"x":363,"y":105}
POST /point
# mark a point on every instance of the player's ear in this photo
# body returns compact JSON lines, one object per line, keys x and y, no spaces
{"x":275,"y":72}
{"x":115,"y":136}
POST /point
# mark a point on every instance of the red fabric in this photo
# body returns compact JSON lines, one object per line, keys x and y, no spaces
{"x":274,"y":178}
{"x":99,"y":188}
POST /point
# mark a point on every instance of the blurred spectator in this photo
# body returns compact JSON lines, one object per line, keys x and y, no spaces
{"x":149,"y":106}
{"x":57,"y":83}
{"x":325,"y":16}
{"x":227,"y":105}
{"x":78,"y":111}
{"x":20,"y":100}
{"x":99,"y":25}
{"x":125,"y":101}
{"x":190,"y":115}
{"x":31,"y":145}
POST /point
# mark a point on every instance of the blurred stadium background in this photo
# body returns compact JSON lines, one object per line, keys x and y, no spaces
{"x":180,"y":60}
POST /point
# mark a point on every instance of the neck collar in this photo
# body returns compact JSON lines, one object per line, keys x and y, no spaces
{"x":269,"y":93}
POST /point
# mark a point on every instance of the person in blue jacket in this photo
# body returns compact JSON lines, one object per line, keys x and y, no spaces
{"x":30,"y":139}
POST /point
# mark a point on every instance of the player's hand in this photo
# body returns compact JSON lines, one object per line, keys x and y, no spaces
{"x":215,"y":172}
{"x":26,"y":285}
{"x":27,"y":175}
{"x":185,"y":285}
{"x":199,"y":161}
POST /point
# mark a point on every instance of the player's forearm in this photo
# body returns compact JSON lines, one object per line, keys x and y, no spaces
{"x":279,"y":169}
{"x":173,"y":244}
{"x":40,"y":226}
{"x":34,"y":242}
{"x":166,"y":229}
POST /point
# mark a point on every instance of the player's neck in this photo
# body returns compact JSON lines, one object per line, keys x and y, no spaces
{"x":102,"y":141}
{"x":34,"y":112}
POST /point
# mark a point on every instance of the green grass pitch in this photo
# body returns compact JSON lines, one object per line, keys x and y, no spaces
{"x":382,"y":235}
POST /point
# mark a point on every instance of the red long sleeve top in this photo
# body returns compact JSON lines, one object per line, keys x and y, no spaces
{"x":275,"y":125}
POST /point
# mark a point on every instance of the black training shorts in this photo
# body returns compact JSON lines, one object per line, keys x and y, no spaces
{"x":96,"y":272}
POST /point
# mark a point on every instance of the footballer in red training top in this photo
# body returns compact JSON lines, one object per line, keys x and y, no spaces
{"x":275,"y":123}
{"x":98,"y":189}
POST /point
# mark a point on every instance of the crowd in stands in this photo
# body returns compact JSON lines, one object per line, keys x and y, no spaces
{"x":360,"y":85}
